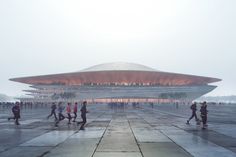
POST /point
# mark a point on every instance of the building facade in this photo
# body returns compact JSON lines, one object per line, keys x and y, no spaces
{"x":122,"y":82}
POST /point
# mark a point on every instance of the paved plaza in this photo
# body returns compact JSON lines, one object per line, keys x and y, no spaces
{"x":141,"y":131}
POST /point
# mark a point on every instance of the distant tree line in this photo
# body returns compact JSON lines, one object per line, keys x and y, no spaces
{"x":175,"y":95}
{"x":65,"y":95}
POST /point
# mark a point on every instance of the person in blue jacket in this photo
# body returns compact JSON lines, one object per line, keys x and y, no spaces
{"x":60,"y":113}
{"x":16,"y":112}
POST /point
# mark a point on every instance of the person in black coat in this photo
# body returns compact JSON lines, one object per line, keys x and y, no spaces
{"x":204,"y":112}
{"x":16,"y":112}
{"x":83,"y":111}
{"x":194,"y":109}
{"x":53,"y":111}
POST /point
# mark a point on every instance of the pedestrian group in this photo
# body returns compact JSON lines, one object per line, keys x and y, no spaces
{"x":60,"y":116}
{"x":203,"y":114}
{"x":60,"y":108}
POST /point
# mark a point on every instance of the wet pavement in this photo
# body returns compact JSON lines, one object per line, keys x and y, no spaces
{"x":118,"y":132}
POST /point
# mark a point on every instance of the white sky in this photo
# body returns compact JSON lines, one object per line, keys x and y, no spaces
{"x":55,"y":36}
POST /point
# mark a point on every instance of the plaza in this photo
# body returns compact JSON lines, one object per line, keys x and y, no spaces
{"x":122,"y":131}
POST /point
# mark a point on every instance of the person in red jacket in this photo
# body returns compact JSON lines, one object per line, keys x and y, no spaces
{"x":68,"y":110}
{"x":75,"y":111}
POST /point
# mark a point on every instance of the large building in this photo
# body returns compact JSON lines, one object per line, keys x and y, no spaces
{"x":118,"y":82}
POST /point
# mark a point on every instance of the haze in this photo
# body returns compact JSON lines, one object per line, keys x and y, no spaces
{"x":55,"y":36}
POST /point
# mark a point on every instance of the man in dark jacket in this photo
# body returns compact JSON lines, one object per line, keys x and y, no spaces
{"x":16,"y":112}
{"x":83,"y":111}
{"x":60,"y":113}
{"x":204,"y":112}
{"x":53,"y":111}
{"x":194,"y":109}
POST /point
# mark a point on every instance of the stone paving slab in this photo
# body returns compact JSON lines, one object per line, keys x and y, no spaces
{"x":52,"y":138}
{"x":117,"y":154}
{"x":226,"y":129}
{"x":162,"y":127}
{"x":75,"y":147}
{"x":89,"y":133}
{"x":99,"y":123}
{"x":3,"y":148}
{"x":145,"y":135}
{"x":15,"y":136}
{"x":118,"y":142}
{"x":118,"y":137}
{"x":217,"y":138}
{"x":197,"y":146}
{"x":26,"y":151}
{"x":2,"y":120}
{"x":163,"y":149}
{"x":22,"y":122}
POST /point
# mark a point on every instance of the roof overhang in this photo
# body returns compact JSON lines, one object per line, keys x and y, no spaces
{"x":121,"y":77}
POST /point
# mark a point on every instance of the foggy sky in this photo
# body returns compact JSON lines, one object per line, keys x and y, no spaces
{"x":56,"y":36}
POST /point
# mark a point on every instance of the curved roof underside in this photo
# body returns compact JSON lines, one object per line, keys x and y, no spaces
{"x":120,"y":73}
{"x":120,"y":77}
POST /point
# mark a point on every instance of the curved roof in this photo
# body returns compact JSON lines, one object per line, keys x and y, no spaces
{"x":118,"y":66}
{"x":120,"y":73}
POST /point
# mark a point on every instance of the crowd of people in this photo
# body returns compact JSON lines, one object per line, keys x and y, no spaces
{"x":57,"y":111}
{"x":60,"y":108}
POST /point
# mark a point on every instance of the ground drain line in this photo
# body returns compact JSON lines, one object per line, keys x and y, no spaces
{"x":47,"y":152}
{"x":135,"y":138}
{"x":101,"y":139}
{"x":167,"y":137}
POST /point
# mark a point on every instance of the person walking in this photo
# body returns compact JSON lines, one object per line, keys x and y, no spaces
{"x":16,"y":112}
{"x":60,"y":113}
{"x":194,"y":109}
{"x":75,"y":111}
{"x":83,"y":111}
{"x":53,"y":111}
{"x":204,"y":112}
{"x":68,"y":111}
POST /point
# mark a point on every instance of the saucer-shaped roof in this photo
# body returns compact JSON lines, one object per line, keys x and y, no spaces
{"x":117,"y":73}
{"x":118,"y":66}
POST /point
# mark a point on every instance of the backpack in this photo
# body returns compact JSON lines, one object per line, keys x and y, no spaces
{"x":191,"y":107}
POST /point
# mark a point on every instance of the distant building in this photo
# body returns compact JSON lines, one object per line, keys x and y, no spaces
{"x":126,"y":82}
